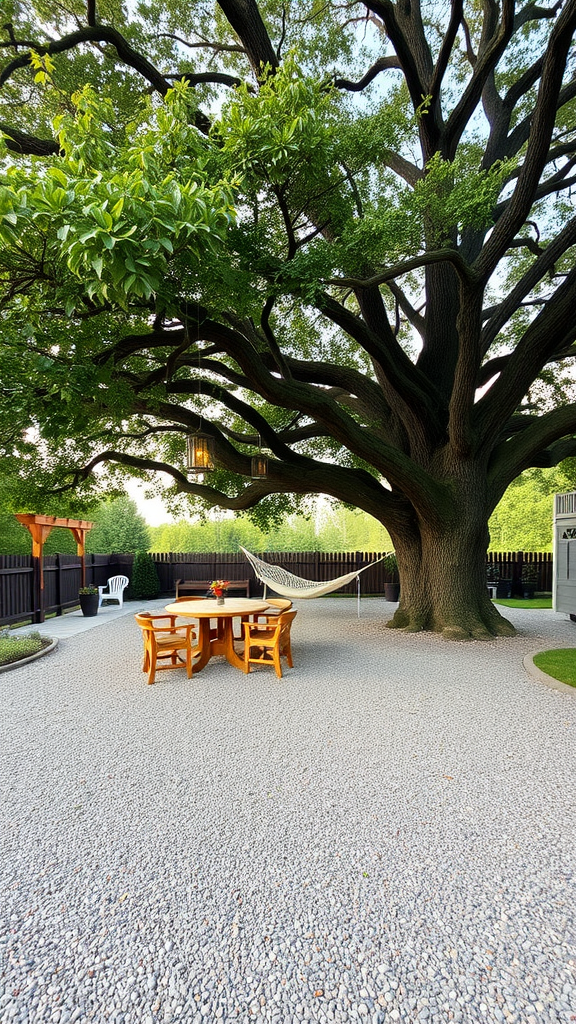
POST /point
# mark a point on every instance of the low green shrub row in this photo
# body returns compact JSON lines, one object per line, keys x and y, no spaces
{"x":14,"y":648}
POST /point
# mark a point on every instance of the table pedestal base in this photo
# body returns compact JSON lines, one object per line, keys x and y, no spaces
{"x":220,"y":642}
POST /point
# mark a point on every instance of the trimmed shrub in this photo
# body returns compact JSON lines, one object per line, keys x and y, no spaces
{"x":145,"y":582}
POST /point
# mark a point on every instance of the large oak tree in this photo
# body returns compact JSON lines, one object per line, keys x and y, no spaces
{"x":343,"y":232}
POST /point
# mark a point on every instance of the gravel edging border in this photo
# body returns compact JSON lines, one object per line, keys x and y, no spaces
{"x":543,"y":677}
{"x":31,"y":657}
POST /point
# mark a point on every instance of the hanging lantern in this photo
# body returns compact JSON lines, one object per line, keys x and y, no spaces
{"x":259,"y":467}
{"x":199,"y":453}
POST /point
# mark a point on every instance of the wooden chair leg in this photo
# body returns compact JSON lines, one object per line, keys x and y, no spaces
{"x":277,"y":665}
{"x":151,"y":670}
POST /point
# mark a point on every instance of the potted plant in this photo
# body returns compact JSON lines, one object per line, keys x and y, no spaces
{"x":529,"y":578}
{"x":219,"y":588}
{"x":89,"y":597}
{"x":494,"y":579}
{"x":492,"y":573}
{"x":392,"y":586}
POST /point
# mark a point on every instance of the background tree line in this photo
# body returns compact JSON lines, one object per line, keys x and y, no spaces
{"x":521,"y":522}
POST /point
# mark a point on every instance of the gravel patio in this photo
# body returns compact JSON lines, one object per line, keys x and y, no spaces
{"x":387,"y":833}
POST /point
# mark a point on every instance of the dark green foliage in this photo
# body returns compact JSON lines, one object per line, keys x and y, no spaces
{"x":340,"y":233}
{"x":144,"y":582}
{"x":15,"y":648}
{"x":118,"y":527}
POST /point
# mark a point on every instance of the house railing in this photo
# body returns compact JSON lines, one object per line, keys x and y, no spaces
{"x":62,"y":574}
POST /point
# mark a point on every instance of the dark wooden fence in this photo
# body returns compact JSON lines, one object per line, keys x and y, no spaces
{"x":510,"y":565}
{"x":62,"y":579}
{"x":311,"y":565}
{"x":62,"y":574}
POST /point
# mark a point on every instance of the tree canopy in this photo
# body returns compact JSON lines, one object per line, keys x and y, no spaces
{"x":341,"y":233}
{"x":118,"y":526}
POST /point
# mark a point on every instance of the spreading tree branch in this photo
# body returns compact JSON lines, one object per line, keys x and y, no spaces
{"x":93,"y":34}
{"x":552,"y":329}
{"x":538,"y":146}
{"x":245,"y":18}
{"x":485,"y":63}
{"x":550,"y":429}
{"x":380,"y":65}
{"x":204,"y":44}
{"x":20,"y":142}
{"x":452,"y":256}
{"x":536,"y":272}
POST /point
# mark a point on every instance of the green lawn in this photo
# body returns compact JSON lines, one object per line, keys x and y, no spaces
{"x":13,"y":648}
{"x":560,"y":664}
{"x":524,"y":602}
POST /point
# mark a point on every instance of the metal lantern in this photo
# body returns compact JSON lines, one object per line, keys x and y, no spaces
{"x":199,"y":453}
{"x":259,"y":467}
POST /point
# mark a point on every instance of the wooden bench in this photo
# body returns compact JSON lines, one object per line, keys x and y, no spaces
{"x":193,"y":586}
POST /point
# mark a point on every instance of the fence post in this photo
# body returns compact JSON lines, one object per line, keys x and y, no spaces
{"x":58,"y":584}
{"x":38,"y":614}
{"x":517,"y":574}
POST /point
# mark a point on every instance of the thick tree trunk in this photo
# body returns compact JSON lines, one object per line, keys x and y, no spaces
{"x":443,"y":573}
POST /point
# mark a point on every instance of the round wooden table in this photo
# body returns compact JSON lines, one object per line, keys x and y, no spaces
{"x":221,"y":640}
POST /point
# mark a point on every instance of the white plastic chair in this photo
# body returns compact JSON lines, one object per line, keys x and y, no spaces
{"x":116,"y":586}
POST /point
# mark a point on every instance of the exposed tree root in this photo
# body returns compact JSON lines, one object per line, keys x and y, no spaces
{"x":466,"y":626}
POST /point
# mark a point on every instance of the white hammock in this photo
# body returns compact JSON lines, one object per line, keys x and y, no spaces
{"x":288,"y":585}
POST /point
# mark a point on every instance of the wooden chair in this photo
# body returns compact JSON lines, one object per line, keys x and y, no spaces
{"x":265,"y":644}
{"x":214,"y":633}
{"x":277,"y":606}
{"x":162,"y":642}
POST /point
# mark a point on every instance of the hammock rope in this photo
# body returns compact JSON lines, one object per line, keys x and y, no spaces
{"x":283,"y":582}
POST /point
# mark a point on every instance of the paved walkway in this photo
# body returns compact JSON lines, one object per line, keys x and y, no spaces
{"x":62,"y":627}
{"x":385,"y":834}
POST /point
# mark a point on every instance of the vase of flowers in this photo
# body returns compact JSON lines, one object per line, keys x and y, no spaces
{"x":219,"y":588}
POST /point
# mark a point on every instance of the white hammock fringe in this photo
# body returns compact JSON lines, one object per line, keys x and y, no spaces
{"x":288,"y":585}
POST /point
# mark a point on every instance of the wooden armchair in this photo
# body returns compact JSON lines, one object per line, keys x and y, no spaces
{"x":266,"y":643}
{"x":163,"y":641}
{"x":277,"y":605}
{"x":214,"y":631}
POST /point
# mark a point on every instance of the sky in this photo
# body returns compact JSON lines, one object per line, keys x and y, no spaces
{"x":153,"y":509}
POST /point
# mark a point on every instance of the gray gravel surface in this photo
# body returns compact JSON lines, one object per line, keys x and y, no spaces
{"x":385,"y":834}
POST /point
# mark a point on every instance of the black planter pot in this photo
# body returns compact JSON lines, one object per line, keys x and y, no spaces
{"x":392,"y":591}
{"x":528,"y":589}
{"x":504,"y":588}
{"x":88,"y":604}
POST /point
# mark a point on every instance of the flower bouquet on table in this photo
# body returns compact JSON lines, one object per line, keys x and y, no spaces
{"x":219,"y":588}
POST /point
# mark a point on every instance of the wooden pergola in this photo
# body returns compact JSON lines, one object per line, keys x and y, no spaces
{"x":40,"y":528}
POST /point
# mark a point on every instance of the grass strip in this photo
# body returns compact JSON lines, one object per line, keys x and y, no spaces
{"x":524,"y":602}
{"x":560,"y":664}
{"x":14,"y":648}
